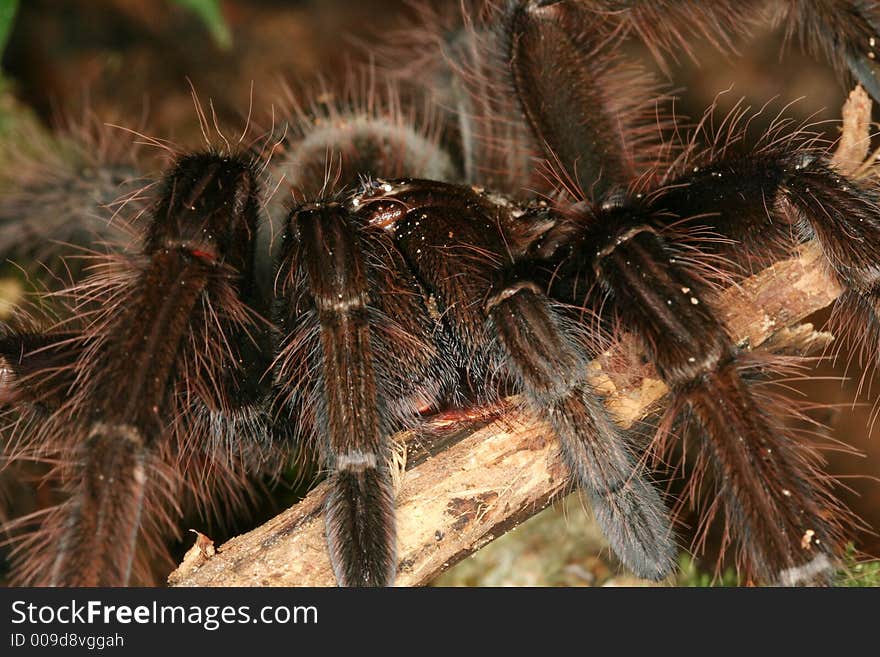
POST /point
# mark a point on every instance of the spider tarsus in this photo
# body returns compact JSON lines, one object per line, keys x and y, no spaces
{"x":360,"y":525}
{"x":628,"y":508}
{"x":635,"y":521}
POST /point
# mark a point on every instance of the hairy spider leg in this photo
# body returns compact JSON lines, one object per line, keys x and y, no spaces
{"x":206,"y":219}
{"x":562,"y":67}
{"x":596,"y":117}
{"x":356,"y":362}
{"x":502,"y":323}
{"x":846,"y":32}
{"x":120,"y":376}
{"x":566,"y":74}
{"x":769,"y":202}
{"x":361,"y":499}
{"x":771,"y":493}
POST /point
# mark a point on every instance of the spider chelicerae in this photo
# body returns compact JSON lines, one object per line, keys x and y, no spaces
{"x":422,"y":268}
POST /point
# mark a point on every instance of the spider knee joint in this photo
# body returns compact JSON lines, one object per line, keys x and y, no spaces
{"x":622,"y":238}
{"x":357,"y":461}
{"x":693,"y":368}
{"x":124,"y":432}
{"x":510,"y":291}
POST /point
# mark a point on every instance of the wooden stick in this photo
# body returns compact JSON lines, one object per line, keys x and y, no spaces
{"x":462,"y":489}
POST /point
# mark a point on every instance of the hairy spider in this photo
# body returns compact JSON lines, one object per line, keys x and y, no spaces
{"x":402,"y":286}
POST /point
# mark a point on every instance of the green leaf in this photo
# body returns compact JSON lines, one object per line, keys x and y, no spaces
{"x":7,"y":17}
{"x":211,"y":15}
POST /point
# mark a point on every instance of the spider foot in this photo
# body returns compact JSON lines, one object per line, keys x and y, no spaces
{"x":360,"y":527}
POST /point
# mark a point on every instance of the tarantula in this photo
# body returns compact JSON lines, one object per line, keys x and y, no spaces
{"x":403,"y":285}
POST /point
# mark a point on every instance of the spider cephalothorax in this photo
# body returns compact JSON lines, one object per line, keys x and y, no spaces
{"x":396,"y":294}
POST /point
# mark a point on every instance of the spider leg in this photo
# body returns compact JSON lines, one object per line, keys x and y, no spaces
{"x":501,"y":322}
{"x":202,"y":229}
{"x":846,"y":33}
{"x":549,"y":369}
{"x":360,"y":505}
{"x":356,"y":362}
{"x":98,"y":544}
{"x":358,"y":354}
{"x":127,"y":371}
{"x":769,"y":486}
{"x":597,"y":118}
{"x":623,"y":257}
{"x":770,"y":201}
{"x":562,"y":65}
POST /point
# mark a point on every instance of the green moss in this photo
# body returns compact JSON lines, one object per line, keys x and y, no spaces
{"x":857,"y":573}
{"x":691,"y":575}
